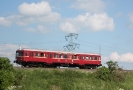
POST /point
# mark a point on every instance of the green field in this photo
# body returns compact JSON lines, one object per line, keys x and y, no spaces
{"x":66,"y":79}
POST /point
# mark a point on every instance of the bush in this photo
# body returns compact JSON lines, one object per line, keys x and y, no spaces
{"x":6,"y":73}
{"x":112,"y":73}
{"x":103,"y":73}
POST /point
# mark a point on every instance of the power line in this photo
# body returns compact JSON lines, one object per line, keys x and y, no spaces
{"x":104,"y":46}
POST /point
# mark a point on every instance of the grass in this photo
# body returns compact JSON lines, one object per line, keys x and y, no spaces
{"x":55,"y":79}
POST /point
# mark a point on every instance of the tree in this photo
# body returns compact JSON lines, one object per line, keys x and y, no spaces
{"x":112,"y":73}
{"x":6,"y":73}
{"x":112,"y":66}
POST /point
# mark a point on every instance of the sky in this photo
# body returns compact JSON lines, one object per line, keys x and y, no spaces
{"x":103,"y":26}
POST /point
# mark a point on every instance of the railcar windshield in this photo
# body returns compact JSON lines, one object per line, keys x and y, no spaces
{"x":19,"y":54}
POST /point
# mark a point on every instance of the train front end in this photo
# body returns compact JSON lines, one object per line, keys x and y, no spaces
{"x":19,"y":59}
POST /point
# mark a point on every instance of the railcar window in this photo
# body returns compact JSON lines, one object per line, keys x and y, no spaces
{"x":90,"y":57}
{"x":26,"y":54}
{"x":87,"y":57}
{"x":60,"y":55}
{"x":65,"y":56}
{"x":98,"y":58}
{"x":46,"y":55}
{"x":50,"y":55}
{"x":42,"y":55}
{"x":37,"y":54}
{"x":74,"y":57}
{"x":19,"y":53}
{"x":95,"y":58}
{"x":82,"y":57}
{"x":55,"y":55}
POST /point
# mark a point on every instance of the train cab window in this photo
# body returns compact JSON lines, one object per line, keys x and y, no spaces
{"x":42,"y":54}
{"x":19,"y":53}
{"x":87,"y":57}
{"x":26,"y":54}
{"x":65,"y":56}
{"x":60,"y":56}
{"x":55,"y":55}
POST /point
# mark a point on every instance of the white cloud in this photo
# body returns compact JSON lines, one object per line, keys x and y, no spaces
{"x":68,"y":27}
{"x":32,"y":13}
{"x":93,"y":22}
{"x":9,"y":50}
{"x":130,"y":16}
{"x":41,"y":8}
{"x":37,"y":12}
{"x":4,"y":21}
{"x":39,"y":28}
{"x":97,"y":22}
{"x":127,"y":57}
{"x":90,"y":5}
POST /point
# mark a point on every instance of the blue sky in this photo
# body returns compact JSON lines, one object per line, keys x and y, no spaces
{"x":44,"y":24}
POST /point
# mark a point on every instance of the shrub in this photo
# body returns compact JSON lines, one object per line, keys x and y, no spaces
{"x":6,"y":73}
{"x":112,"y":73}
{"x":103,"y":73}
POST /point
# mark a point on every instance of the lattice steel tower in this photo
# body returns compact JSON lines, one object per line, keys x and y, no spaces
{"x":71,"y":45}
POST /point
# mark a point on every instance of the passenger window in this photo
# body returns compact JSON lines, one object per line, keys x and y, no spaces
{"x":74,"y":57}
{"x":36,"y":54}
{"x":47,"y":55}
{"x":82,"y":57}
{"x":60,"y":55}
{"x":26,"y":54}
{"x":50,"y":55}
{"x":87,"y":57}
{"x":42,"y":55}
{"x":55,"y":55}
{"x":65,"y":56}
{"x":90,"y":57}
{"x":95,"y":58}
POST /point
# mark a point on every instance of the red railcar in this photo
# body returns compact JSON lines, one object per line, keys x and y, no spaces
{"x":36,"y":57}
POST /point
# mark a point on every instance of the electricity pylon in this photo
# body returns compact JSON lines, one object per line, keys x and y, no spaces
{"x":71,"y":45}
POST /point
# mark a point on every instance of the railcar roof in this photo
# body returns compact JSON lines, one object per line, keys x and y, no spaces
{"x":42,"y":50}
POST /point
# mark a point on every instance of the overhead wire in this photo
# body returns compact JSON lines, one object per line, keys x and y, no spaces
{"x":104,"y":46}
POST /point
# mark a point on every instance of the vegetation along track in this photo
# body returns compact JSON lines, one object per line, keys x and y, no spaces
{"x":62,"y":69}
